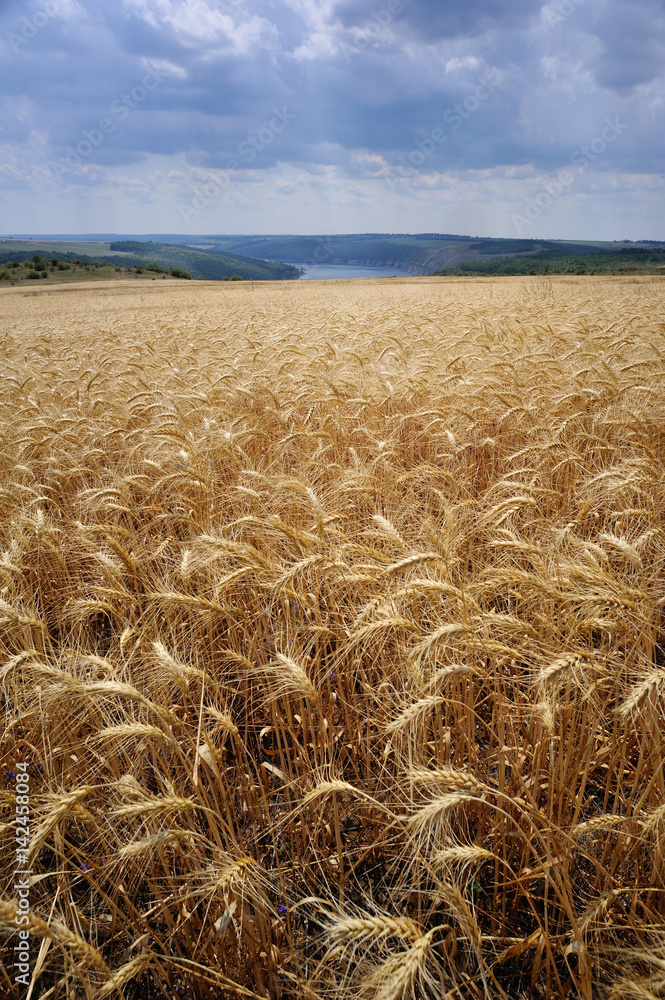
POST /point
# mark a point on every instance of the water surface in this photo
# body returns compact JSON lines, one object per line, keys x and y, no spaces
{"x":350,"y":271}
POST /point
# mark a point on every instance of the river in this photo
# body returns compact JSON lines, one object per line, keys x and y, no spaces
{"x":350,"y":271}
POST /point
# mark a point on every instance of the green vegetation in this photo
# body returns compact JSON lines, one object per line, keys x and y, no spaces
{"x":140,"y":257}
{"x":54,"y":270}
{"x":627,"y":260}
{"x":35,"y":267}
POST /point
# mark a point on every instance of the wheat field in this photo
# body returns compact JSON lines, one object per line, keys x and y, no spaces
{"x":331,"y":629}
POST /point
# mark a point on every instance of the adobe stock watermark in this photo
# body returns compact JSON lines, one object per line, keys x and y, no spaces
{"x":373,"y":30}
{"x":92,"y":139}
{"x":454,"y":117}
{"x":247,"y":150}
{"x":31,"y":26}
{"x":581,"y":157}
{"x":22,"y":875}
{"x":559,"y":11}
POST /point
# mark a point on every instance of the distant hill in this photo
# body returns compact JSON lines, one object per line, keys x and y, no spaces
{"x":268,"y":256}
{"x":422,"y":253}
{"x":131,"y":253}
{"x":205,"y":264}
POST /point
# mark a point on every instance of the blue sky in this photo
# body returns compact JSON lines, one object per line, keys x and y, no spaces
{"x":482,"y":117}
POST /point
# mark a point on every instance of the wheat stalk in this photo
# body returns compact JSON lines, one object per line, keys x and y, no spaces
{"x":286,"y":678}
{"x":53,"y":929}
{"x":363,"y":930}
{"x":396,"y":977}
{"x":448,"y":778}
{"x":130,"y":970}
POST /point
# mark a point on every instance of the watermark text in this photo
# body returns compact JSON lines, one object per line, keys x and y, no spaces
{"x":581,"y":157}
{"x":31,"y":26}
{"x":22,"y":874}
{"x":247,"y":151}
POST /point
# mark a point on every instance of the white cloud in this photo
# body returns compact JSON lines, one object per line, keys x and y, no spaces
{"x":456,"y":64}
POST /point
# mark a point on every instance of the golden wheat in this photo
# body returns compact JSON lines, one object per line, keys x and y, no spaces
{"x":332,"y":637}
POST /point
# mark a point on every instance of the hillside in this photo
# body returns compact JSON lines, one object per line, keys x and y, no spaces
{"x":625,"y":260}
{"x":133,"y":253}
{"x":429,"y":253}
{"x":56,"y":270}
{"x":204,"y":264}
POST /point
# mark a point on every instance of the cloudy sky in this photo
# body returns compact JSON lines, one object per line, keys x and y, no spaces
{"x":479,"y":117}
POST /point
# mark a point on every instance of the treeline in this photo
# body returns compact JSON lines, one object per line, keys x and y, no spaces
{"x":624,"y":261}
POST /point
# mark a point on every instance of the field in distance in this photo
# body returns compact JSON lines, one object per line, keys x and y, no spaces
{"x":332,"y":638}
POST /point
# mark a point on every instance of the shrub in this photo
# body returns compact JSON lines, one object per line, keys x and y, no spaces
{"x":236,"y":277}
{"x":177,"y":272}
{"x":33,"y":274}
